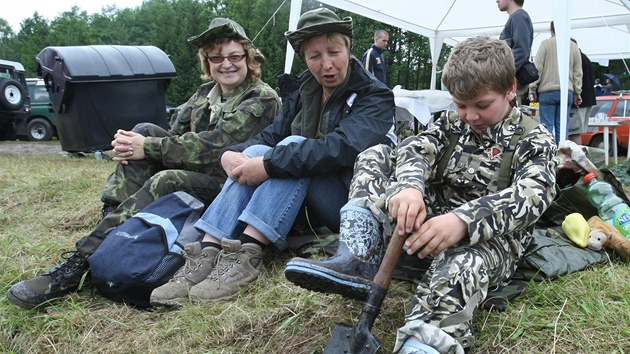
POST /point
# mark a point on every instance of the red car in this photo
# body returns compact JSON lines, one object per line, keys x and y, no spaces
{"x":616,"y":108}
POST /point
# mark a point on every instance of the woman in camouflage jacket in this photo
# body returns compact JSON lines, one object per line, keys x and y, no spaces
{"x":230,"y":109}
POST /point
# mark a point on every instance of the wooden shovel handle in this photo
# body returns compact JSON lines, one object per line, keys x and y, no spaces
{"x":384,"y":275}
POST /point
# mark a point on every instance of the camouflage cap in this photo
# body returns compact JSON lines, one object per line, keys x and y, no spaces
{"x":219,"y":28}
{"x":316,"y":22}
{"x":224,"y":28}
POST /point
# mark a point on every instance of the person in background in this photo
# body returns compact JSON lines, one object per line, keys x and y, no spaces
{"x":229,"y":109}
{"x":518,"y":33}
{"x":599,"y":91}
{"x":546,"y":90}
{"x":373,"y":59}
{"x":607,"y":89}
{"x":578,"y":119}
{"x":297,"y":168}
{"x":474,"y":231}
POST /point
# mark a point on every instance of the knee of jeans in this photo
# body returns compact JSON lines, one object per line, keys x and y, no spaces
{"x":292,"y":139}
{"x":259,"y":150}
{"x":256,"y":150}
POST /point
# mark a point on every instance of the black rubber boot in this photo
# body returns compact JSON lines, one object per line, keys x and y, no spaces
{"x":350,"y":271}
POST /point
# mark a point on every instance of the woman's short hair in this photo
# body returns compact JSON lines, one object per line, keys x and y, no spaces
{"x":478,"y":65}
{"x":254,"y":71}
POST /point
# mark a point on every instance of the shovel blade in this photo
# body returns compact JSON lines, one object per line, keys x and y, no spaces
{"x":351,"y":340}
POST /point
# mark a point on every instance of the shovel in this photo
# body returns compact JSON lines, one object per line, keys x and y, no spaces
{"x":358,"y":340}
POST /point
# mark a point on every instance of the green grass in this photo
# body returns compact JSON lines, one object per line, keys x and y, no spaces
{"x":47,"y":202}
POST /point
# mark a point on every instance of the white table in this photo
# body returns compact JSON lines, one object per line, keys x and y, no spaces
{"x":607,"y":124}
{"x":420,"y":104}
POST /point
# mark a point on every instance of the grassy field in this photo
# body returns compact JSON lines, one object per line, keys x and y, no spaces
{"x":47,"y":202}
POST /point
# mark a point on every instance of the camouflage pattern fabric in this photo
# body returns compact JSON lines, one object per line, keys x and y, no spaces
{"x":499,"y":223}
{"x":187,"y":157}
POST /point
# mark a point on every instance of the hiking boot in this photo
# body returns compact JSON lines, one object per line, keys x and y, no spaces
{"x":351,"y":270}
{"x":237,"y":267}
{"x":61,"y":280}
{"x":199,"y":264}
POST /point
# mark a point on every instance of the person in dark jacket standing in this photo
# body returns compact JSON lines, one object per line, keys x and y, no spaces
{"x":518,"y":33}
{"x":578,"y":119}
{"x":298,"y":167}
{"x":232,"y":107}
{"x":373,"y":59}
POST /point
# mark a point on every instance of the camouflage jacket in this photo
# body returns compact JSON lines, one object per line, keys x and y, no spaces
{"x":473,"y":167}
{"x":196,"y":142}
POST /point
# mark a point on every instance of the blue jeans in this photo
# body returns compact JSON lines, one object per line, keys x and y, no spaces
{"x":550,"y":111}
{"x":273,"y":206}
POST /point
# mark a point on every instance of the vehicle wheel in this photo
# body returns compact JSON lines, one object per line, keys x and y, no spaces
{"x":39,"y":129}
{"x":598,"y":142}
{"x":11,"y":94}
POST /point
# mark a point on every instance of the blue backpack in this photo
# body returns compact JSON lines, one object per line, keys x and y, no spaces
{"x":145,"y":251}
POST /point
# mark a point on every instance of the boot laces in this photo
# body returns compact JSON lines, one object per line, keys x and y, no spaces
{"x":226,"y":260}
{"x":72,"y":261}
{"x":191,"y":265}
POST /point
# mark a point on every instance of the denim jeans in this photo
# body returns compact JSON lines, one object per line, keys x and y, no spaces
{"x":273,"y":206}
{"x":550,"y":112}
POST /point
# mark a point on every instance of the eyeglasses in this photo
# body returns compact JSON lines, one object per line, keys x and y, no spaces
{"x":232,"y":58}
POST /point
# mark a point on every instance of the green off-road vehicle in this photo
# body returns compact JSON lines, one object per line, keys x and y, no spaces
{"x":41,"y":124}
{"x":14,"y":101}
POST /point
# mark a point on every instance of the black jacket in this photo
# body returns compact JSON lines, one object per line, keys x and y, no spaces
{"x":352,"y":128}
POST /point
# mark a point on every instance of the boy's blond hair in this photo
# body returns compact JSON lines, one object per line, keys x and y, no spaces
{"x":478,"y":65}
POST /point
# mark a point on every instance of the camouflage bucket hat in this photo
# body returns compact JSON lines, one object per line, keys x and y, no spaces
{"x":316,"y":22}
{"x":223,"y":28}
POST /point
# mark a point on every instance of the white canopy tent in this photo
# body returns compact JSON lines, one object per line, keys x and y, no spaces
{"x":601,"y":27}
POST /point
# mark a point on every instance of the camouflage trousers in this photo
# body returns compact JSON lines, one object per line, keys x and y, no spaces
{"x":441,"y":311}
{"x":135,"y":185}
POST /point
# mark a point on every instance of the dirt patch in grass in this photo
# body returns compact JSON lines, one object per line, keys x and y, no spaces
{"x":30,"y":148}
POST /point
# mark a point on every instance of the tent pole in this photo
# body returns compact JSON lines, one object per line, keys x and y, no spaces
{"x":294,"y":16}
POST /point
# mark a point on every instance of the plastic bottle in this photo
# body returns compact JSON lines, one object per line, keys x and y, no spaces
{"x":611,"y":208}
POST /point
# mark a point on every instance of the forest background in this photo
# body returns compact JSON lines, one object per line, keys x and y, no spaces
{"x":167,"y":24}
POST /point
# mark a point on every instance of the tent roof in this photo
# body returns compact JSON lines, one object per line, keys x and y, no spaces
{"x":601,"y":27}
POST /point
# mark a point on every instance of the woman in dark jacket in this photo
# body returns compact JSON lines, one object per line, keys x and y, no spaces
{"x":302,"y":163}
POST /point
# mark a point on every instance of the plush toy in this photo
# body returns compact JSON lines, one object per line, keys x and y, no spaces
{"x":605,"y":236}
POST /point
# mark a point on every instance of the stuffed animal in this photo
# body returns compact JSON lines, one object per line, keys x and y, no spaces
{"x":605,"y":236}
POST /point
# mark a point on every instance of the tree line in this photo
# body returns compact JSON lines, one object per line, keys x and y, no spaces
{"x":167,"y":24}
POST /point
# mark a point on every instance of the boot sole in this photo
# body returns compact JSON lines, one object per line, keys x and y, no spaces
{"x":19,"y":302}
{"x":324,"y":282}
{"x":31,"y":305}
{"x":200,"y":301}
{"x":170,"y":303}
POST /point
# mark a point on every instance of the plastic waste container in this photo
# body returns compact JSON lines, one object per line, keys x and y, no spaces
{"x":98,"y":89}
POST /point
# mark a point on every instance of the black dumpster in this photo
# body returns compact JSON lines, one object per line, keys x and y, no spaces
{"x":98,"y":89}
